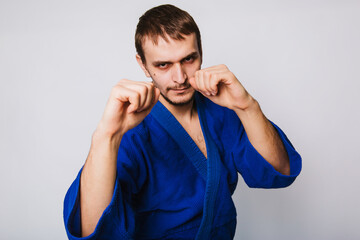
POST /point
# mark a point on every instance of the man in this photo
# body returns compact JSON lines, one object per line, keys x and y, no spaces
{"x":164,"y":158}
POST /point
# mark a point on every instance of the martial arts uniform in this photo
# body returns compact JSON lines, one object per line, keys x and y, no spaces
{"x":165,"y":187}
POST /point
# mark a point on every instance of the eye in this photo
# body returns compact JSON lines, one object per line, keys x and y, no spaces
{"x":162,"y":65}
{"x":188,"y":59}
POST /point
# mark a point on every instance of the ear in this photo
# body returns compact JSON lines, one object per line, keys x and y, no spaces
{"x":142,"y":65}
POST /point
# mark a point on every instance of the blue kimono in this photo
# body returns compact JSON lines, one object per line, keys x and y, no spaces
{"x":166,"y":188}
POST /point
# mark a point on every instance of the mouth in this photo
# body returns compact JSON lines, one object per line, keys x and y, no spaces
{"x":180,"y":90}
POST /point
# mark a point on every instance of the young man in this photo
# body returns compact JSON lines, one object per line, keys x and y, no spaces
{"x":164,"y":158}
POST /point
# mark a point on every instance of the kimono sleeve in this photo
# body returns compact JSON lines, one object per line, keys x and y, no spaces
{"x":259,"y":173}
{"x":118,"y":219}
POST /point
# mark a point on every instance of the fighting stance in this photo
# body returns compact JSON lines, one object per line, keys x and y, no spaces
{"x":165,"y":157}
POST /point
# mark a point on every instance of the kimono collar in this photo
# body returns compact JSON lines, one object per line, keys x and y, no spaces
{"x":208,"y":169}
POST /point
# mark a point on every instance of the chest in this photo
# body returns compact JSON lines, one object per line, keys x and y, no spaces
{"x":195,"y":132}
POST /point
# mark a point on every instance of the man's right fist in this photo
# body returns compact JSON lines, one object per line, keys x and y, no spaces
{"x":129,"y":103}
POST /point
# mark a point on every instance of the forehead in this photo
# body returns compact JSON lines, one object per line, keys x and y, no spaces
{"x":169,"y":49}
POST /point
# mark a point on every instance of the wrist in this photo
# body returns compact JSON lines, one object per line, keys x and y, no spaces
{"x":252,"y":108}
{"x":245,"y":103}
{"x":102,"y":136}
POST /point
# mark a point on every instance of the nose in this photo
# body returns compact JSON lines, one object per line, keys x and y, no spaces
{"x":179,"y":76}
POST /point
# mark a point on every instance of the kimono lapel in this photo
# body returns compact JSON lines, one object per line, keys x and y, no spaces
{"x":208,"y":169}
{"x":213,"y":174}
{"x":181,"y":137}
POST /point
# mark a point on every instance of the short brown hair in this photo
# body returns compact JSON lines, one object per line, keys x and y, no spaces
{"x":165,"y":20}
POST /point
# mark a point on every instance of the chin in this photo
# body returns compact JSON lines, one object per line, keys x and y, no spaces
{"x":180,"y":100}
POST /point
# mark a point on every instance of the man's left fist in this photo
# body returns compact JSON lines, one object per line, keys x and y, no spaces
{"x":221,"y":86}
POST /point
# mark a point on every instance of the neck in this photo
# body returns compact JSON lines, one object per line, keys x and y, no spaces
{"x":183,"y":113}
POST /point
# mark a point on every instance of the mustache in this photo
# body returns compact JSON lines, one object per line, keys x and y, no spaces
{"x":181,"y":86}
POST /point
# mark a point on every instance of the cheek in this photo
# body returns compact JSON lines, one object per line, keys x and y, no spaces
{"x":160,"y":80}
{"x":191,"y":69}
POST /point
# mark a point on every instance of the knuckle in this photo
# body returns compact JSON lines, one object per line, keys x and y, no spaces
{"x":137,"y":95}
{"x":114,"y":90}
{"x":151,"y":87}
{"x":134,"y":96}
{"x":123,"y":81}
{"x":143,"y":90}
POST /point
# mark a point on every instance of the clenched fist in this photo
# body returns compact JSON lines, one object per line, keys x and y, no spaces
{"x":221,"y":86}
{"x":129,"y":103}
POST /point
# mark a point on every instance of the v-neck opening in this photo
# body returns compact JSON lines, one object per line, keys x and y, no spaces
{"x":208,"y":168}
{"x":181,"y":136}
{"x":190,"y":139}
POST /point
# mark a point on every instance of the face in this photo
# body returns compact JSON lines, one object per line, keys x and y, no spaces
{"x":170,"y":65}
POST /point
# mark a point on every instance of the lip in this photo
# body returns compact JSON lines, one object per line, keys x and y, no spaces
{"x":180,"y":90}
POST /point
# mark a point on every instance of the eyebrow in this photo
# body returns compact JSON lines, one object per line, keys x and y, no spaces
{"x":193,"y":55}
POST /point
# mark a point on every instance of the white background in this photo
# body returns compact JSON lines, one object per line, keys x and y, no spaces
{"x":299,"y":59}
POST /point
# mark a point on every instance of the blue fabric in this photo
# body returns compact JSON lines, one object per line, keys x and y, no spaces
{"x":160,"y":193}
{"x":208,"y":169}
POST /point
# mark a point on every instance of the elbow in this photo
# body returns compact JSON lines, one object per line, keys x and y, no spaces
{"x":283,"y":166}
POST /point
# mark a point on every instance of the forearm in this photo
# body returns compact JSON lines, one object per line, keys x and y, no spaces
{"x":129,"y":103}
{"x":98,"y":179}
{"x":222,"y":87}
{"x":264,"y":137}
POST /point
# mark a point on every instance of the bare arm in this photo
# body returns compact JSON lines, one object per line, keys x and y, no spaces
{"x":221,"y":86}
{"x":264,"y":137}
{"x":129,"y":103}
